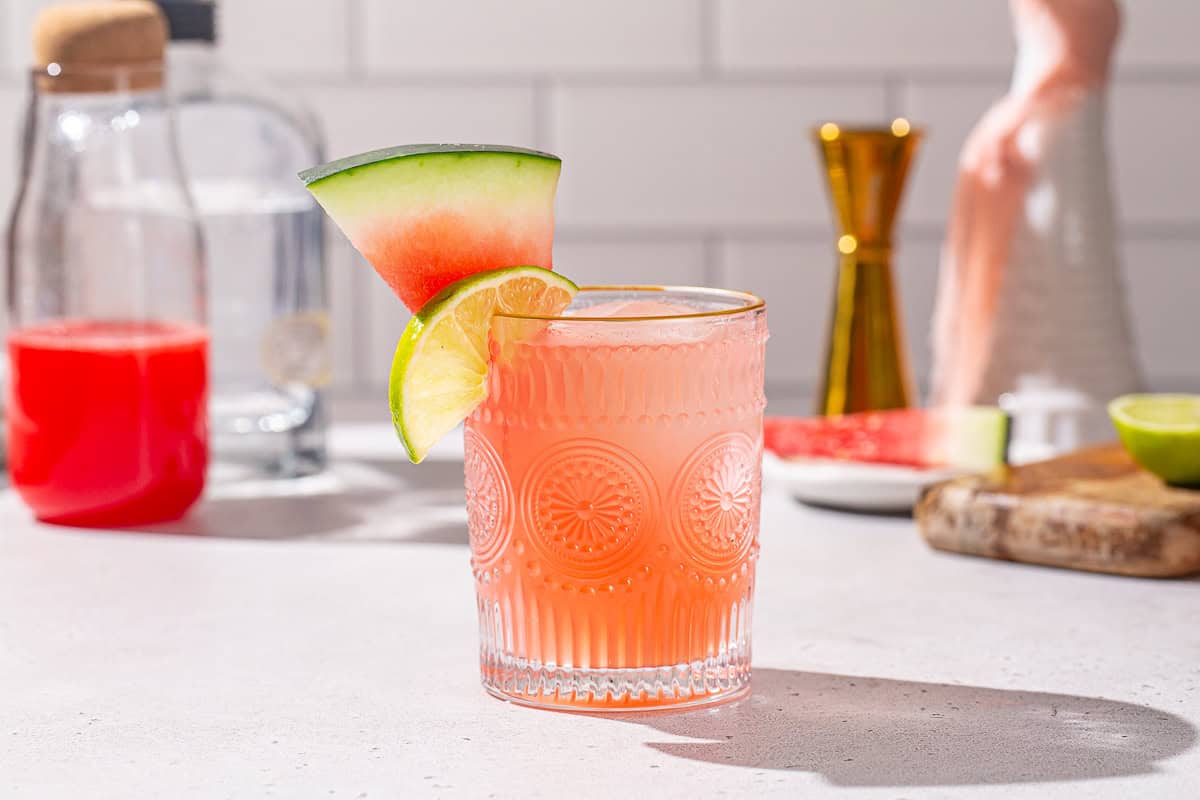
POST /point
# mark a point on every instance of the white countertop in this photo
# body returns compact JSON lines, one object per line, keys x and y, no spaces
{"x":324,"y":646}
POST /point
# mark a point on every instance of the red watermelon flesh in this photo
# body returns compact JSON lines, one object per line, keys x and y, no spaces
{"x":420,"y":255}
{"x":973,"y":438}
{"x":425,"y":216}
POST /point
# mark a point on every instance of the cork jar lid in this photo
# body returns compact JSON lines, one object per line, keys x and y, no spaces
{"x":84,"y":45}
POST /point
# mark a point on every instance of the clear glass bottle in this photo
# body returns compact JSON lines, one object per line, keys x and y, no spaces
{"x":107,"y":341}
{"x":242,"y":145}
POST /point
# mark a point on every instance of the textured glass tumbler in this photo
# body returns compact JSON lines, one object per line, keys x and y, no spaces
{"x":613,"y":483}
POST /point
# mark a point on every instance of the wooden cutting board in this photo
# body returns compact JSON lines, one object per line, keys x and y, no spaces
{"x":1091,"y":510}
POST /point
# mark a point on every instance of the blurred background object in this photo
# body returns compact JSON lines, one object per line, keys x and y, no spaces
{"x":107,"y":341}
{"x":1031,"y":298}
{"x":866,"y":359}
{"x":242,"y":144}
{"x":684,"y":128}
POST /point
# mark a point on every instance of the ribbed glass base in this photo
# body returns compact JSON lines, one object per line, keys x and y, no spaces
{"x":660,"y":644}
{"x":702,"y":683}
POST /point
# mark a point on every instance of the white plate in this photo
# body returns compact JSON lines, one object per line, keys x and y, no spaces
{"x":856,"y":487}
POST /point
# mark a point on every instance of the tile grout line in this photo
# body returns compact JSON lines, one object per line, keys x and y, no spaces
{"x":921,"y":231}
{"x":619,"y":79}
{"x":802,"y":232}
{"x":665,"y":79}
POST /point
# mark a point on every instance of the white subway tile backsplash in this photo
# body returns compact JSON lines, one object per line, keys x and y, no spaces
{"x":285,"y":36}
{"x":358,"y":119}
{"x":344,"y":272}
{"x":1153,"y":138}
{"x":9,"y":165}
{"x":531,"y":36}
{"x":947,"y":112}
{"x":386,"y":318}
{"x":630,"y":261}
{"x":916,"y":275}
{"x":1163,"y":280}
{"x":857,"y":35}
{"x":16,"y":25}
{"x":697,"y":156}
{"x":13,"y":102}
{"x":797,"y":280}
{"x":688,"y":156}
{"x":1159,"y":33}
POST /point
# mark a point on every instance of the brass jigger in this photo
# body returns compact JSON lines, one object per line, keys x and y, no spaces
{"x":866,"y":366}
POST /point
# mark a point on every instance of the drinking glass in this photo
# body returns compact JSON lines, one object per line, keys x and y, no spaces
{"x":242,"y":144}
{"x":613,"y":483}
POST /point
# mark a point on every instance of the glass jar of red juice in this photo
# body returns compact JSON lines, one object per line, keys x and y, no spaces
{"x":107,"y":343}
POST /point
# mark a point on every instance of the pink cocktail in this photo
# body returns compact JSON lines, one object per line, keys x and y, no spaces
{"x":613,"y":486}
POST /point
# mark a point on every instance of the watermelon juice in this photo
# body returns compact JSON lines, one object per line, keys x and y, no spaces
{"x":107,"y":420}
{"x":613,"y":486}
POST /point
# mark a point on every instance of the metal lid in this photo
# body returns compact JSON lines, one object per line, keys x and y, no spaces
{"x":191,"y":20}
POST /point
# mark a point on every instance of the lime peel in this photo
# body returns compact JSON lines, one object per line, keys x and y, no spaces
{"x":1162,"y":434}
{"x":439,"y":371}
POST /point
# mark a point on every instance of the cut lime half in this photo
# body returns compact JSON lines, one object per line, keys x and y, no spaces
{"x":1162,"y":433}
{"x":439,"y":373}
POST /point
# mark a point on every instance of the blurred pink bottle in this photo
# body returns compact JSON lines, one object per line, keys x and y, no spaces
{"x":1031,"y":292}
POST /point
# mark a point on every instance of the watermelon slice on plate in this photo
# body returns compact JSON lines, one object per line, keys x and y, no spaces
{"x":881,"y":460}
{"x":970,"y":438}
{"x":428,"y":215}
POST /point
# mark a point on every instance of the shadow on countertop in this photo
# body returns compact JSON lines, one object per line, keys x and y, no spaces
{"x":358,"y":501}
{"x":861,"y":731}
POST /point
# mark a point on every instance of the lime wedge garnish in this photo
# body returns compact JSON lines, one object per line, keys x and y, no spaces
{"x":439,"y":373}
{"x":1162,"y":433}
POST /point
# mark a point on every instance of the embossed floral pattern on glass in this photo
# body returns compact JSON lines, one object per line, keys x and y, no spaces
{"x":613,"y":487}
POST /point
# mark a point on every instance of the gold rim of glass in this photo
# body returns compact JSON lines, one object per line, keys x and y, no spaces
{"x":750,"y":302}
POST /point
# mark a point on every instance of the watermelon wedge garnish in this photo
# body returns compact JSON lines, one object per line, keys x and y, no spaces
{"x":969,"y":438}
{"x":428,"y":215}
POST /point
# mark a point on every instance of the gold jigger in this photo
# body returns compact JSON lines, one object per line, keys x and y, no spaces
{"x":866,"y":366}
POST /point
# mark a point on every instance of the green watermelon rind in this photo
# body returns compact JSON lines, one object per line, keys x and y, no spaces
{"x":347,"y":166}
{"x":492,"y":185}
{"x":978,"y":437}
{"x":391,"y":203}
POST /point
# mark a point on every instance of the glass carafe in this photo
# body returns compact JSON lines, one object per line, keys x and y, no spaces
{"x":107,"y":337}
{"x":242,"y":143}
